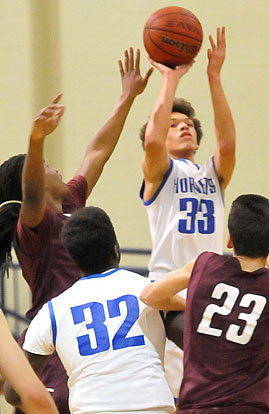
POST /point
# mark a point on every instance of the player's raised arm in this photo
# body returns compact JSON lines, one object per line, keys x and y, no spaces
{"x":224,"y":125}
{"x":104,"y":141}
{"x":162,"y":294}
{"x":156,"y":161}
{"x":33,"y":176}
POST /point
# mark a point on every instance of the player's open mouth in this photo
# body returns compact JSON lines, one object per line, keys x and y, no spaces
{"x":185,"y":134}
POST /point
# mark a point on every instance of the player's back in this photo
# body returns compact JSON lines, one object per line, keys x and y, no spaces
{"x":111,"y":345}
{"x":226,"y":338}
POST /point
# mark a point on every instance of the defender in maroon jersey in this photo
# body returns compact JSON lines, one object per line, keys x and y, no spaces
{"x":226,"y":353}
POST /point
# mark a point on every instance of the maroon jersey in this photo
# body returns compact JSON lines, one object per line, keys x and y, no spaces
{"x":49,"y":270}
{"x":226,"y":342}
{"x":46,"y":265}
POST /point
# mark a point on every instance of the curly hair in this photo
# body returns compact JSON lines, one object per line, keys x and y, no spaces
{"x":184,"y":107}
{"x":10,"y":189}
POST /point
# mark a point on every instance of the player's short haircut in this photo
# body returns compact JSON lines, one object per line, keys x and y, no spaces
{"x":89,"y":237}
{"x":10,"y":189}
{"x":248,"y":224}
{"x":184,"y":107}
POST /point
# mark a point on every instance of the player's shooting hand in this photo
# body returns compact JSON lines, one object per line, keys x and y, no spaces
{"x":47,"y":119}
{"x":177,"y":72}
{"x":133,"y":83}
{"x":216,"y":54}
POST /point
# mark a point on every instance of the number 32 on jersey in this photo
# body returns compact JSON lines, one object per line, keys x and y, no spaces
{"x":251,"y":319}
{"x":98,"y":338}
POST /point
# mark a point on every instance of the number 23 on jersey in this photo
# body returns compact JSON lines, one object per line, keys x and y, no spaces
{"x":251,"y":319}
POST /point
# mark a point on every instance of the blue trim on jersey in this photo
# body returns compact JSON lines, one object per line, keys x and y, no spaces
{"x":157,"y":192}
{"x":53,"y":322}
{"x":94,"y":276}
{"x":186,"y":161}
{"x":182,"y":159}
{"x":213,"y":162}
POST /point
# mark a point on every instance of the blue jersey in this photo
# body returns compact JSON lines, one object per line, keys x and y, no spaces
{"x":110,"y":343}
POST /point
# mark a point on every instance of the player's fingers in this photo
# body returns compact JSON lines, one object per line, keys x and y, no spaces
{"x":190,"y":63}
{"x":121,"y":67}
{"x":222,"y":36}
{"x":57,"y":98}
{"x":218,"y":36}
{"x":131,"y":58}
{"x":155,"y":64}
{"x":137,"y":60}
{"x":126,"y":60}
{"x":54,"y":106}
{"x":56,"y":116}
{"x":51,"y":110}
{"x":148,"y":74}
{"x":60,"y":112}
{"x":213,"y":45}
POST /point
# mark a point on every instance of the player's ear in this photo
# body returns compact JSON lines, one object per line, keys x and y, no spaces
{"x":117,"y":251}
{"x":229,"y":242}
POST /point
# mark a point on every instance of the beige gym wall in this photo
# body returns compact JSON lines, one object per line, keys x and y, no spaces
{"x":73,"y":46}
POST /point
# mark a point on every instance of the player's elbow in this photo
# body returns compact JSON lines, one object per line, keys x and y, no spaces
{"x":147,"y":297}
{"x":144,"y":297}
{"x":11,"y":396}
{"x":38,"y":400}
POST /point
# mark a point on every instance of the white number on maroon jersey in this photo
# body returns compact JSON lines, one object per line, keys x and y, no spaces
{"x":227,"y":307}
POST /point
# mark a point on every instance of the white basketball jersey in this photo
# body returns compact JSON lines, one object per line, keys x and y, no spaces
{"x":111,"y":344}
{"x":186,"y":216}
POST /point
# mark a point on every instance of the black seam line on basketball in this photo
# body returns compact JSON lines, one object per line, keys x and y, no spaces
{"x":165,"y":51}
{"x":194,"y":18}
{"x":173,"y":13}
{"x":170,"y":31}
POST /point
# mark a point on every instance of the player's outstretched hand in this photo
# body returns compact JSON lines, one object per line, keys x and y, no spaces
{"x":133,"y":83}
{"x":216,"y":54}
{"x":177,"y":72}
{"x":47,"y":119}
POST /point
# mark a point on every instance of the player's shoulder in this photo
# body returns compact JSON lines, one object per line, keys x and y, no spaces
{"x":211,"y":260}
{"x":133,"y":276}
{"x":208,"y":255}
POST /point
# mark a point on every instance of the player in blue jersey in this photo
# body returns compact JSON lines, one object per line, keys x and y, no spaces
{"x":183,"y":200}
{"x":226,"y":355}
{"x":109,"y":342}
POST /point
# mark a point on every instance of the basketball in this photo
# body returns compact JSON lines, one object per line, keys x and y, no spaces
{"x":172,"y":36}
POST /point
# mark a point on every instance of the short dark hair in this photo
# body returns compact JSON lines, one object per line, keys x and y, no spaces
{"x":184,"y":107}
{"x":89,"y":237}
{"x":248,"y":224}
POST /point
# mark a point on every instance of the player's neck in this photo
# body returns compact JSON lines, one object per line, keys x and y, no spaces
{"x":185,"y":156}
{"x":249,"y":264}
{"x":55,"y":204}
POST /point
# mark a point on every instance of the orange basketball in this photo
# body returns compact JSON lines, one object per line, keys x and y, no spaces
{"x":172,"y":36}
